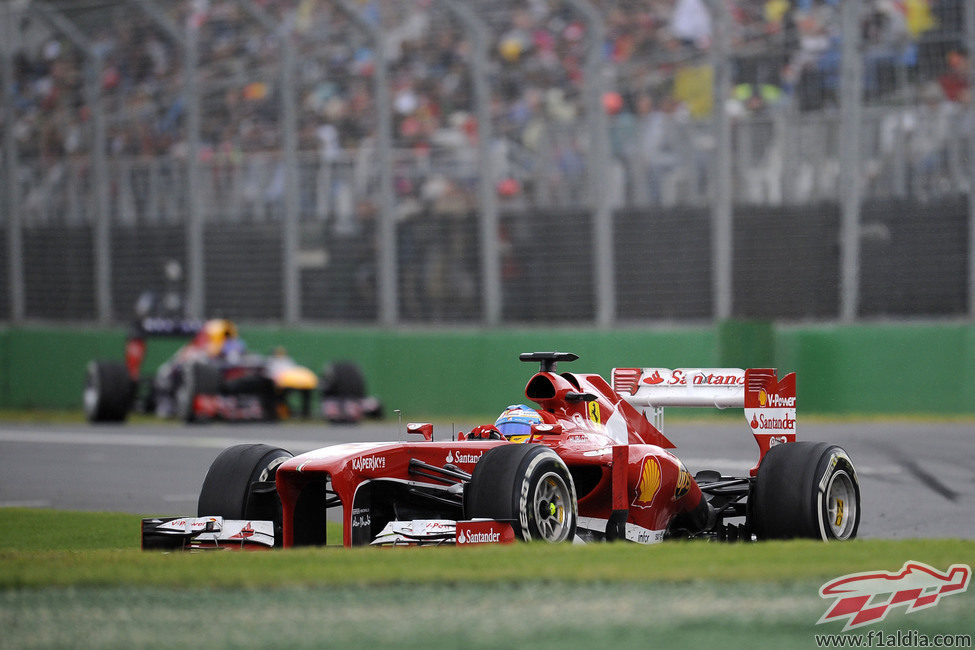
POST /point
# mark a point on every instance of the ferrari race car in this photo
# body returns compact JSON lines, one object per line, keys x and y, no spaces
{"x":590,"y":463}
{"x":211,"y":377}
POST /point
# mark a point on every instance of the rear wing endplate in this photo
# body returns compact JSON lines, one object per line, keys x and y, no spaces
{"x":769,"y":404}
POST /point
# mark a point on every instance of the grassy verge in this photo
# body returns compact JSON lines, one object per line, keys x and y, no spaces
{"x":41,"y":548}
{"x":66,"y":576}
{"x":457,"y":615}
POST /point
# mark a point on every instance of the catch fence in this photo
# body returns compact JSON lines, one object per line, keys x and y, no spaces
{"x":482,"y":162}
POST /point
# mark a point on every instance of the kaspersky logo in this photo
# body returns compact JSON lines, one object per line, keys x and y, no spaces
{"x":867,"y":598}
{"x":368,"y":463}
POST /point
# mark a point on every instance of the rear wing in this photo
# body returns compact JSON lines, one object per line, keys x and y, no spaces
{"x":769,"y":404}
{"x":146,"y":328}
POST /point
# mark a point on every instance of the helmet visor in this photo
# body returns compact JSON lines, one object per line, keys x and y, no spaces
{"x":515,"y":428}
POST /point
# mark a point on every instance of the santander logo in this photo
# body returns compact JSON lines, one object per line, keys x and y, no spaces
{"x":654,"y":379}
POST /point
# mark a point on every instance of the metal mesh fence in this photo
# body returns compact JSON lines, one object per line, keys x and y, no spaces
{"x":663,"y":264}
{"x":59,"y":273}
{"x":914,"y":258}
{"x":440,"y":161}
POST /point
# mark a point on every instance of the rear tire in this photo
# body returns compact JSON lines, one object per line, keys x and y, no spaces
{"x":343,"y":379}
{"x":808,"y":490}
{"x":227,"y":486}
{"x":109,"y":392}
{"x":197,"y":379}
{"x":528,"y":486}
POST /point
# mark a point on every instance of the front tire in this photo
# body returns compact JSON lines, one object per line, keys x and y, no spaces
{"x":807,"y":490}
{"x":227,"y":489}
{"x":109,"y":392}
{"x":198,"y":378}
{"x":528,"y":486}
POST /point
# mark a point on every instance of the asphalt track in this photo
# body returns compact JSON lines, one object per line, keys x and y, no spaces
{"x":917,"y":478}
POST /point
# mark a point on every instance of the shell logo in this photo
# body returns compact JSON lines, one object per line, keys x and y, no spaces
{"x":649,"y":483}
{"x":763,"y":397}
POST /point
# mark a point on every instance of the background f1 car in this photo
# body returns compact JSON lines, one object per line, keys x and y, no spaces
{"x":214,"y":377}
{"x":597,"y":467}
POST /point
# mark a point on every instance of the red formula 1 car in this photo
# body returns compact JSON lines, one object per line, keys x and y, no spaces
{"x":595,"y":466}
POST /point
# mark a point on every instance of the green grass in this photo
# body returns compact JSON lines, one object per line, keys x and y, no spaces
{"x":66,"y":576}
{"x":41,"y":548}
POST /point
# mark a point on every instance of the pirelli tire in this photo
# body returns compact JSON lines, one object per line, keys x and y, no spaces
{"x":109,"y":392}
{"x":235,"y":480}
{"x":343,"y":379}
{"x":197,"y":378}
{"x":805,"y":490}
{"x":528,"y":486}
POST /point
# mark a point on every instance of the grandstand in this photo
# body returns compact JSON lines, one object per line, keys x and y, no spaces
{"x":487,"y":162}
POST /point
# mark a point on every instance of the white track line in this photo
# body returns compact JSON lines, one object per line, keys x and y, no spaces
{"x":140,"y":440}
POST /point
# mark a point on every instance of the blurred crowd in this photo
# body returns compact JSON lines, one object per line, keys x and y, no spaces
{"x":786,"y":57}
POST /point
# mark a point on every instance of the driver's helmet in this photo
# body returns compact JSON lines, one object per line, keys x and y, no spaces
{"x":517,"y":420}
{"x":216,"y":334}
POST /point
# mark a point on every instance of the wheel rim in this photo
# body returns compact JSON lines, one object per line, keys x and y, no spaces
{"x":553,"y":512}
{"x":90,"y":395}
{"x":90,"y":399}
{"x":841,"y":505}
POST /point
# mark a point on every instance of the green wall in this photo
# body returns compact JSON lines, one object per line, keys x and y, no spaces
{"x":441,"y":373}
{"x":882,"y":368}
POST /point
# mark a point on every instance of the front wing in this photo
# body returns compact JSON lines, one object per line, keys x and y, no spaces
{"x":205,"y":534}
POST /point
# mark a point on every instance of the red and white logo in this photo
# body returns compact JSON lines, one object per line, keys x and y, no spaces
{"x":484,"y":532}
{"x":770,"y":408}
{"x":866,"y":598}
{"x":246,"y":531}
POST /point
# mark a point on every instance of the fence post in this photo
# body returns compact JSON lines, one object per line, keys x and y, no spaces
{"x":15,"y":233}
{"x":387,"y":250}
{"x":851,"y":94}
{"x":486,"y":198}
{"x":186,"y":39}
{"x":101,"y":220}
{"x":970,"y":42}
{"x":598,"y":165}
{"x":289,"y":117}
{"x":722,"y":198}
{"x":196,"y":289}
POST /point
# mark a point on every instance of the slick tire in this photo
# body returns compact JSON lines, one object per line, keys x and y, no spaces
{"x":343,"y":379}
{"x":805,"y":490}
{"x":227,"y":489}
{"x":197,"y":379}
{"x":528,"y":486}
{"x":109,"y":392}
